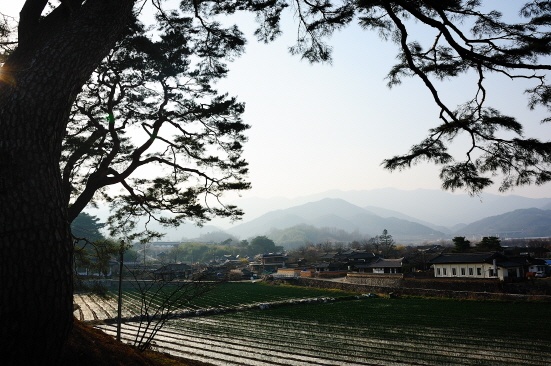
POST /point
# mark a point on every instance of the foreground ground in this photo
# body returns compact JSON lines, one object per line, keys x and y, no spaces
{"x":91,"y":347}
{"x":289,"y":327}
{"x":368,"y":331}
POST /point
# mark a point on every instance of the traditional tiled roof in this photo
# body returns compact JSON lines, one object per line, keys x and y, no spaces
{"x":509,"y":264}
{"x":386,"y":263}
{"x":333,"y":256}
{"x":361,"y":255}
{"x":328,"y":255}
{"x":462,"y":258}
{"x":269,"y":255}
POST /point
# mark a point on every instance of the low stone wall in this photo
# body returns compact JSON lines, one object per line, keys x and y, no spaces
{"x":451,"y":292}
{"x":379,"y":280}
{"x":446,"y":284}
{"x":345,"y":286}
{"x":455,"y":284}
{"x":330,"y":274}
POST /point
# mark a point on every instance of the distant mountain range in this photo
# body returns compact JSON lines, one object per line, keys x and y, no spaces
{"x":436,"y":207}
{"x":357,"y":222}
{"x":409,"y":216}
{"x":531,"y":222}
{"x":337,"y":214}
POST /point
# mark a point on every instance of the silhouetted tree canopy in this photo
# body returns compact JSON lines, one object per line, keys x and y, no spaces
{"x":150,"y":103}
{"x":384,"y":244}
{"x":159,"y":82}
{"x":87,"y":227}
{"x":489,"y":244}
{"x":459,"y":37}
{"x":92,"y":250}
{"x":461,"y":245}
{"x":262,"y":245}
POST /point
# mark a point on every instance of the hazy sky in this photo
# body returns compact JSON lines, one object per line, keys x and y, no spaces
{"x":323,"y":127}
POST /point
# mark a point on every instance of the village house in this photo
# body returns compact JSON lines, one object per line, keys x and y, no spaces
{"x":287,"y":273}
{"x":327,"y":266}
{"x":358,"y":260}
{"x":268,"y":263}
{"x":173,"y":271}
{"x":477,"y":265}
{"x":351,"y":260}
{"x":385,"y":266}
{"x":538,"y":267}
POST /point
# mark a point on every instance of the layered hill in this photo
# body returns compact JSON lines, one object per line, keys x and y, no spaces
{"x":524,"y":223}
{"x":410,"y":216}
{"x":335,"y":214}
{"x":429,"y":207}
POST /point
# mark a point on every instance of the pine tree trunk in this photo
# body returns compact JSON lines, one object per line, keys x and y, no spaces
{"x":38,"y":85}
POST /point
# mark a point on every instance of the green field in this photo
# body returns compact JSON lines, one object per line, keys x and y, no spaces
{"x":368,"y":331}
{"x":230,"y":295}
{"x":238,"y":293}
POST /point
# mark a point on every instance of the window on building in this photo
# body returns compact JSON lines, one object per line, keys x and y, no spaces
{"x":462,"y":271}
{"x":491,"y":272}
{"x":471,"y":271}
{"x":479,"y":271}
{"x":438,"y":271}
{"x":454,"y":272}
{"x":444,"y":271}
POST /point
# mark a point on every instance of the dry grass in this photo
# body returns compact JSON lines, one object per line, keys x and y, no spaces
{"x":91,"y":347}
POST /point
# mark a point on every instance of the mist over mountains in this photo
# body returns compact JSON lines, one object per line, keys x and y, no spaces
{"x":338,"y":214}
{"x":437,"y":207}
{"x":322,"y":220}
{"x":523,"y":223}
{"x":409,"y":216}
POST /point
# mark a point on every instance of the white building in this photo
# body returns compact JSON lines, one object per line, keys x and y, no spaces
{"x":476,"y":265}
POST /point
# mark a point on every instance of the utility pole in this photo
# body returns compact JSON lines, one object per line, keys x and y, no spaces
{"x":119,"y":302}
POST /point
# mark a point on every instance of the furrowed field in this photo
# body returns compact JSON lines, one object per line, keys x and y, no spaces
{"x":352,"y":331}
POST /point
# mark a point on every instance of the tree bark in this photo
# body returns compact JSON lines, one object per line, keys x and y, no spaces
{"x":38,"y":84}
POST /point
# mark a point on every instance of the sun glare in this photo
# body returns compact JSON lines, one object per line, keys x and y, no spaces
{"x":6,"y":77}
